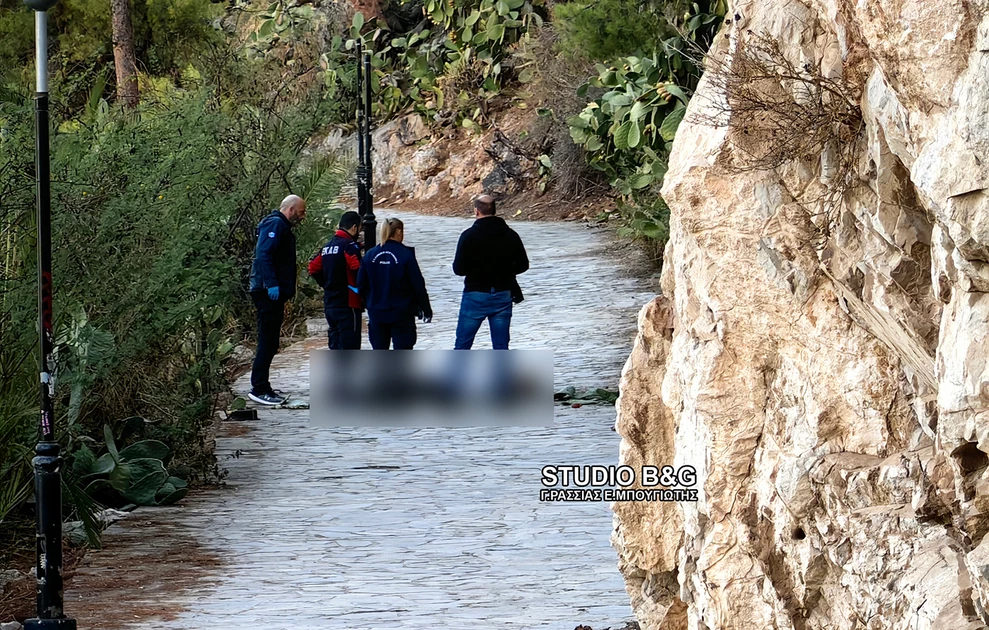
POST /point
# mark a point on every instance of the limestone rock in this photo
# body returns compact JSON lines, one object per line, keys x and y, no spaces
{"x":411,"y":129}
{"x":427,"y":161}
{"x":411,"y":162}
{"x":820,"y":351}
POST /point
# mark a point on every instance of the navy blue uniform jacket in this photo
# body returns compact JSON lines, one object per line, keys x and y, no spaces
{"x":274,"y":257}
{"x":391,"y":283}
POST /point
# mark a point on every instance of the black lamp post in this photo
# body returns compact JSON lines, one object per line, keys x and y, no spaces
{"x":47,"y":463}
{"x":365,"y":202}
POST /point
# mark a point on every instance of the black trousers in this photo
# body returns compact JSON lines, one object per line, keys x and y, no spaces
{"x":344,"y":327}
{"x":400,"y":334}
{"x":270,"y":316}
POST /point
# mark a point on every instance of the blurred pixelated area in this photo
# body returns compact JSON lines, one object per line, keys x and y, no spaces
{"x":431,"y":388}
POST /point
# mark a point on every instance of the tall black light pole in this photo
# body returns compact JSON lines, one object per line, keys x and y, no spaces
{"x":361,"y":166}
{"x":47,"y":463}
{"x":370,"y":225}
{"x":364,"y":200}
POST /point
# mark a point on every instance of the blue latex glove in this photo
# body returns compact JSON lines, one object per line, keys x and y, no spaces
{"x":273,"y":293}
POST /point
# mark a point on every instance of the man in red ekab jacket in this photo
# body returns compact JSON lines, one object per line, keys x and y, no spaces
{"x":335,"y":269}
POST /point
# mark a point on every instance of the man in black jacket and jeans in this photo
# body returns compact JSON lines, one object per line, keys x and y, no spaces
{"x":489,"y":254}
{"x":272,"y":284}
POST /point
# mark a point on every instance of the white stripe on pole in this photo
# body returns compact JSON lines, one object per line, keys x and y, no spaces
{"x":41,"y":43}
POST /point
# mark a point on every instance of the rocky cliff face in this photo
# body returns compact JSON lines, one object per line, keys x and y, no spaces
{"x":411,"y":162}
{"x":820,"y":350}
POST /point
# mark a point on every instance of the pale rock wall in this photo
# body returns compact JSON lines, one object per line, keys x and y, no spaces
{"x":412,"y":162}
{"x":832,"y":393}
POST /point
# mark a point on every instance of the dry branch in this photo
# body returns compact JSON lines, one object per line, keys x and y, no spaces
{"x":778,"y":112}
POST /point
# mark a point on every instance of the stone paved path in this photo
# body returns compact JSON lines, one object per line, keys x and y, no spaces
{"x":373,"y":528}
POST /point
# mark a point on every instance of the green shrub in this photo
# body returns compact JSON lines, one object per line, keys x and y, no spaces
{"x":16,"y":39}
{"x":154,"y":220}
{"x":446,"y":71}
{"x":136,"y":474}
{"x":604,"y":30}
{"x":628,"y":131}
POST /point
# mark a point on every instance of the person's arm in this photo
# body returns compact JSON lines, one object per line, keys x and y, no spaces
{"x":521,"y":259}
{"x":460,"y":259}
{"x":316,"y":268}
{"x":316,"y":264}
{"x":353,"y":256}
{"x":419,"y":286}
{"x":268,"y":242}
{"x":363,"y":283}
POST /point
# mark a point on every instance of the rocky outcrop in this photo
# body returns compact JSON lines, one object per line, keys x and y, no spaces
{"x":413,"y":162}
{"x":819,"y":353}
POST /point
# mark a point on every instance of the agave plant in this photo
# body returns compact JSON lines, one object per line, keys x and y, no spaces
{"x":136,"y":474}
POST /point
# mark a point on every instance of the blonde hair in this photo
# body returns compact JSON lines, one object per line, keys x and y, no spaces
{"x":389,"y":228}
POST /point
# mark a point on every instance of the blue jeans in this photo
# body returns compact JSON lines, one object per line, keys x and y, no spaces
{"x":475,"y":307}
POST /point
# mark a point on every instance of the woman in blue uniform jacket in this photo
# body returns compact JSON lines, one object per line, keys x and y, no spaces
{"x":393,"y":289}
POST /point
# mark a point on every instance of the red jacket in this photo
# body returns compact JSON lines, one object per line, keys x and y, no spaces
{"x":335,"y":268}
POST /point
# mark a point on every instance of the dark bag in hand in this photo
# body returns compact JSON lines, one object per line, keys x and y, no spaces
{"x":516,"y":292}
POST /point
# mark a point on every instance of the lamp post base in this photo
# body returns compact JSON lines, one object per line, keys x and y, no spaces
{"x":50,"y":624}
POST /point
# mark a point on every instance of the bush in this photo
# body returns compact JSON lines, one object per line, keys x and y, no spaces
{"x":446,"y":72}
{"x":778,"y":112}
{"x":551,"y":82}
{"x":603,"y":30}
{"x":16,"y":39}
{"x":628,"y":131}
{"x":154,"y":219}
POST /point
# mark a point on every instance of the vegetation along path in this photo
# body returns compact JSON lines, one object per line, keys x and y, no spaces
{"x":400,"y":528}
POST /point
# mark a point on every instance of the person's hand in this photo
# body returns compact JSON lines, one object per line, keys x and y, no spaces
{"x":426,"y":316}
{"x":273,"y":293}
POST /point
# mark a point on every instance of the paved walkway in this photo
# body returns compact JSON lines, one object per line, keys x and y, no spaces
{"x":372,"y":528}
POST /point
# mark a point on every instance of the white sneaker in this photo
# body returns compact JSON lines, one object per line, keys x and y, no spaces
{"x":266,"y":399}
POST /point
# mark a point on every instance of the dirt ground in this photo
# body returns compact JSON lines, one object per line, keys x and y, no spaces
{"x":17,"y":599}
{"x":171,"y":560}
{"x":527,"y":206}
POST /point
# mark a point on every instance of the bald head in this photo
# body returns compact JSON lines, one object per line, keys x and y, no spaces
{"x":485,"y":205}
{"x":294,"y":209}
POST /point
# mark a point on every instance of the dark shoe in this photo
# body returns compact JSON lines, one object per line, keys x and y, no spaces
{"x":266,"y":399}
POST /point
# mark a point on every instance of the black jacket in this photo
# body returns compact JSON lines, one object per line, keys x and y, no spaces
{"x":391,"y":283}
{"x":490,"y":254}
{"x":335,"y":269}
{"x":274,"y":257}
